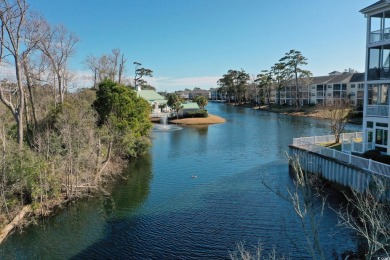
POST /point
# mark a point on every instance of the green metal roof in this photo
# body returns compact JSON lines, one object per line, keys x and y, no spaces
{"x":190,"y":105}
{"x":151,"y":96}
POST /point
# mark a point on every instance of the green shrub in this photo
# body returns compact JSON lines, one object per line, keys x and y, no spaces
{"x":195,"y":114}
{"x":383,"y":158}
{"x":371,"y":154}
{"x":375,"y":155}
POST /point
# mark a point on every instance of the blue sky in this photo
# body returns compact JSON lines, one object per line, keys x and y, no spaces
{"x":192,"y":43}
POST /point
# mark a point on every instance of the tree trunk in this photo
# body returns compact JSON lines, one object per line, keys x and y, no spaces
{"x":297,"y":99}
{"x":20,"y":110}
{"x":30,"y":92}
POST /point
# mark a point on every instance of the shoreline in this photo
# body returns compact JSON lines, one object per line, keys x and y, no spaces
{"x":210,"y":120}
{"x":28,"y":213}
{"x":310,"y":112}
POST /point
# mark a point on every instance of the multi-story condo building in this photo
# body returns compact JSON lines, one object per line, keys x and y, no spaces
{"x":329,"y":89}
{"x":192,"y":94}
{"x":376,"y":122}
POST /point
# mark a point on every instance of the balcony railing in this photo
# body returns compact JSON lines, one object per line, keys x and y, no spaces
{"x":380,"y":35}
{"x":311,"y":144}
{"x":377,"y":110}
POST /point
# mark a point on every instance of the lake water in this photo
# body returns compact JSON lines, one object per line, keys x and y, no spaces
{"x":158,"y":211}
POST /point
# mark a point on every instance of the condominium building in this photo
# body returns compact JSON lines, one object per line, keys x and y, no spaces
{"x":332,"y":88}
{"x":376,"y":122}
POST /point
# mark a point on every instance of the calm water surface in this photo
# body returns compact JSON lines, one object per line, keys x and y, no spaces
{"x":157,"y":211}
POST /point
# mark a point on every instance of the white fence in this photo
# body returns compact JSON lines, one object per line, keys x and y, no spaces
{"x":346,"y":137}
{"x":311,"y":144}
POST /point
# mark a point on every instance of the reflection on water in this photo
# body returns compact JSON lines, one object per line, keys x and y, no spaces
{"x":157,"y":211}
{"x":165,"y":128}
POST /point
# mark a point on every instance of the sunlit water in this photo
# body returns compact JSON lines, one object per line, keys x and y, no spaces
{"x":158,"y":211}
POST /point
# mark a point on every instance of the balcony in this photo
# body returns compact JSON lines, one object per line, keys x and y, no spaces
{"x":380,"y":35}
{"x":377,"y":110}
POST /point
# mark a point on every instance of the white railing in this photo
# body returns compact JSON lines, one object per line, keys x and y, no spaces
{"x":309,"y":144}
{"x":326,"y":138}
{"x":379,"y":35}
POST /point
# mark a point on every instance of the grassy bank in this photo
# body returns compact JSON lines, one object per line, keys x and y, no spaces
{"x":211,"y":119}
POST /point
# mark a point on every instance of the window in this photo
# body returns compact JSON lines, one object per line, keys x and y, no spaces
{"x":377,"y":94}
{"x":378,"y":25}
{"x":379,"y":62}
{"x":382,"y":124}
{"x":352,"y":85}
{"x":381,"y":137}
{"x":370,"y":124}
{"x":369,"y":136}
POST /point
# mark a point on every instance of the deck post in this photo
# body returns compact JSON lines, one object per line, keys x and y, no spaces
{"x":369,"y":164}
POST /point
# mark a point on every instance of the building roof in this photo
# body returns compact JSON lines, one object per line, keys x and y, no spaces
{"x":190,"y":105}
{"x":321,"y":79}
{"x":336,"y":79}
{"x":375,"y":6}
{"x":343,"y":78}
{"x":151,"y":96}
{"x":357,"y":77}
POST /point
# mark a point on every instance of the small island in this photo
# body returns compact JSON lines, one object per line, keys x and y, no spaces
{"x":211,"y":119}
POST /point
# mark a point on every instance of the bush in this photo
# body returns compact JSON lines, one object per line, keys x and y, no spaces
{"x":377,"y":156}
{"x":199,"y":113}
{"x":383,"y":158}
{"x":371,"y":154}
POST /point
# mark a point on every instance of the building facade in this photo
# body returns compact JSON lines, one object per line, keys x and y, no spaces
{"x":329,"y":89}
{"x":376,"y":122}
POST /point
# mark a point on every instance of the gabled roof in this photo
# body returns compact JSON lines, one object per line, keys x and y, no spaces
{"x":357,"y":77}
{"x":321,"y":79}
{"x":151,"y":96}
{"x":375,"y":6}
{"x":343,"y":78}
{"x":190,"y":105}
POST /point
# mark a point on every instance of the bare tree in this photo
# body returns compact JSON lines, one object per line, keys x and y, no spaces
{"x":92,"y":63}
{"x":114,"y":60}
{"x":367,"y":214}
{"x":108,"y":66}
{"x":243,"y":253}
{"x":59,"y":46}
{"x":34,"y":64}
{"x":302,"y":196}
{"x":121,"y":68}
{"x":13,"y":15}
{"x":337,"y":114}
